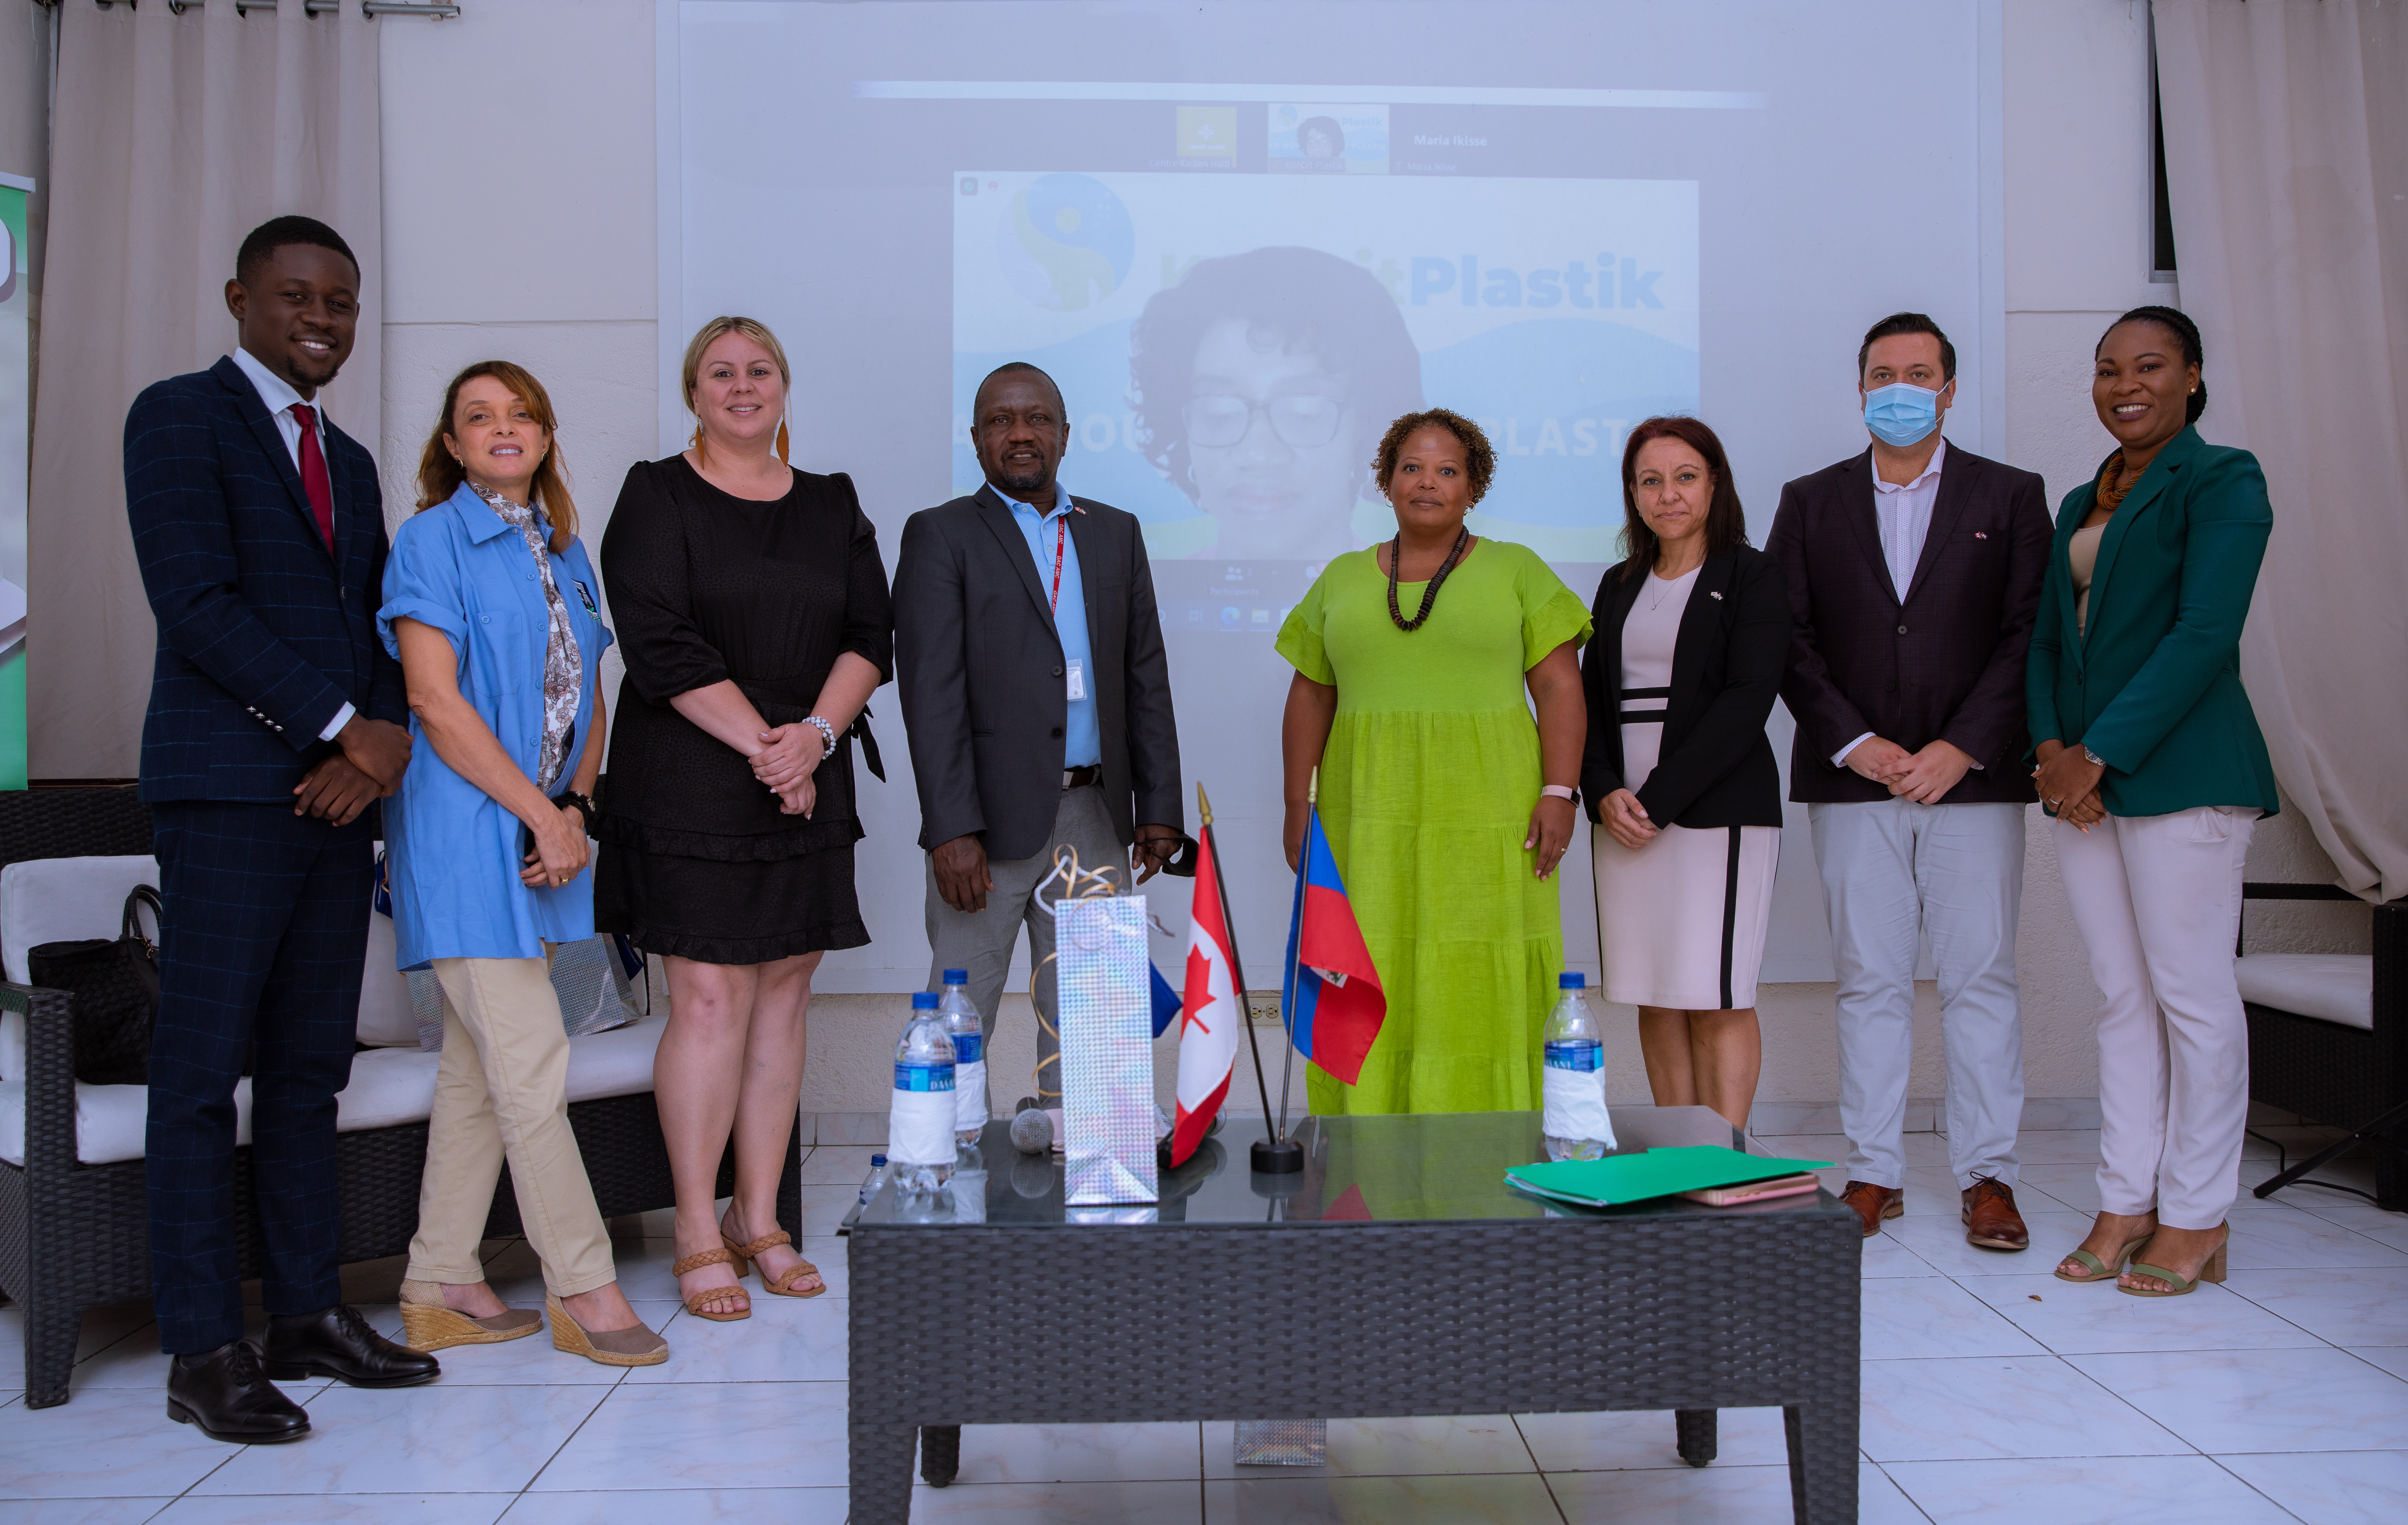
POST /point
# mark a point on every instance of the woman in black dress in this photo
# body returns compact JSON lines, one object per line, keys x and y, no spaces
{"x":752,"y":613}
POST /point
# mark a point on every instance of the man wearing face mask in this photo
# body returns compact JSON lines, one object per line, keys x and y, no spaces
{"x":1037,"y":698}
{"x":1914,"y":574}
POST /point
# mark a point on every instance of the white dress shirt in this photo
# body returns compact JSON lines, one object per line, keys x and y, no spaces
{"x":1903,"y":517}
{"x":278,"y":395}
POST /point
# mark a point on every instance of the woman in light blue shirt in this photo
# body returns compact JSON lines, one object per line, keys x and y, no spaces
{"x":491,"y":606}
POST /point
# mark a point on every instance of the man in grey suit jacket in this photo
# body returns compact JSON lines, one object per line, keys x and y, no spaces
{"x":1036,"y":696}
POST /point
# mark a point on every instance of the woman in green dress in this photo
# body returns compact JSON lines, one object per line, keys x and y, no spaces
{"x":1447,"y":810}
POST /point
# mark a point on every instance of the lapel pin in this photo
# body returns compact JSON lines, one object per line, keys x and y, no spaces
{"x":1981,"y":534}
{"x":1711,"y":593}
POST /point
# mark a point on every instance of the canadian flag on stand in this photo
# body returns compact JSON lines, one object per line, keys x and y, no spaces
{"x":1212,"y":1011}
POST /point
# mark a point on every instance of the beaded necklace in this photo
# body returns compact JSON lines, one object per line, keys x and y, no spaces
{"x":1429,"y":594}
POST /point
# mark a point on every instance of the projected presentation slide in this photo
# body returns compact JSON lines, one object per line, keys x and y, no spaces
{"x":1244,"y":236}
{"x":1230,"y":350}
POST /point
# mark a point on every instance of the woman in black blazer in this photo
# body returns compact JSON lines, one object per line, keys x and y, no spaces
{"x":1692,"y":636}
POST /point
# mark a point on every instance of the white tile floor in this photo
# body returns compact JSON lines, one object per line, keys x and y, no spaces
{"x":1992,"y":1392}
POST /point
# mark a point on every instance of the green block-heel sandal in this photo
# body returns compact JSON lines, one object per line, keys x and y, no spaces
{"x":2212,"y":1271}
{"x":2105,"y":1270}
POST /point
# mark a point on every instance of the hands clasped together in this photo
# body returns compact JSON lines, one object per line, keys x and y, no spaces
{"x":1923,"y":777}
{"x":2069,"y":784}
{"x":789,"y":757}
{"x":369,"y":766}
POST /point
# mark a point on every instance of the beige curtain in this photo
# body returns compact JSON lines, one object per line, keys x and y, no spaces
{"x":174,"y":136}
{"x":2287,"y":157}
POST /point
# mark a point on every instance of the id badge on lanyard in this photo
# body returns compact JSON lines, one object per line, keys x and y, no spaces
{"x":1074,"y":669}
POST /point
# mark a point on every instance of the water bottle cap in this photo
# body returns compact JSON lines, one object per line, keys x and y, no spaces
{"x":924,"y":1001}
{"x":957,"y":977}
{"x":1571,"y":979}
{"x":877,"y":1159}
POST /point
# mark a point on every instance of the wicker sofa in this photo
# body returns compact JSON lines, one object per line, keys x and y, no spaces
{"x":2329,"y":1032}
{"x":73,"y":1223}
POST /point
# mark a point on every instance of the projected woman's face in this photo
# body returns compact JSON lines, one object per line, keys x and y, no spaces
{"x":1273,"y":444}
{"x":737,"y":394}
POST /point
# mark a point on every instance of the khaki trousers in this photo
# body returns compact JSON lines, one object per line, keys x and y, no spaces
{"x":502,"y":1092}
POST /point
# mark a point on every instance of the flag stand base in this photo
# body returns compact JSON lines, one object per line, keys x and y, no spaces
{"x":1277,"y":1157}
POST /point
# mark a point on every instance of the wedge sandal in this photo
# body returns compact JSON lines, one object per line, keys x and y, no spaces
{"x":428,"y":1327}
{"x":637,"y":1347}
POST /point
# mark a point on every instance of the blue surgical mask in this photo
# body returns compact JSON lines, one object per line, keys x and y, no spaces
{"x":1902,"y":413}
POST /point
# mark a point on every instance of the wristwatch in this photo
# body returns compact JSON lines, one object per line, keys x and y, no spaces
{"x":570,"y":797}
{"x":1559,"y":791}
{"x":826,"y":731}
{"x":2094,"y":759}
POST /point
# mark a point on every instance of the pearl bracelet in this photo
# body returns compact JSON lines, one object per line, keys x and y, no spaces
{"x":827,"y":733}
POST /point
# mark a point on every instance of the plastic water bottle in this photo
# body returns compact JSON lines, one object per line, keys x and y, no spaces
{"x":1572,"y":1109}
{"x":920,"y":1145}
{"x":876,"y":1178}
{"x":970,"y":1057}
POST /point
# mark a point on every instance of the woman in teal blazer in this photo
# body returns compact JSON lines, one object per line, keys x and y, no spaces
{"x":2150,"y":759}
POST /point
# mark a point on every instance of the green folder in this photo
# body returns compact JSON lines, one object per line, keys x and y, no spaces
{"x":1658,"y":1172}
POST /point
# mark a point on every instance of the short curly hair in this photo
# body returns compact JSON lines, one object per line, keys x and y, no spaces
{"x":1301,"y":300}
{"x":1479,"y":456}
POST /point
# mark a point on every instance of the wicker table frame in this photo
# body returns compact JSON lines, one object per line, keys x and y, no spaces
{"x":1118,"y":1324}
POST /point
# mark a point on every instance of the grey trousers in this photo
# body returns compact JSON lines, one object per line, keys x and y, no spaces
{"x":1894,"y":872}
{"x":982,"y":940}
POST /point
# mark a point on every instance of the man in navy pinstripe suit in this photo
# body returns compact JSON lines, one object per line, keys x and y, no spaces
{"x":276,"y":718}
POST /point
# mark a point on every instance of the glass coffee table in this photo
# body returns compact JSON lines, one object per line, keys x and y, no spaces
{"x":1395,"y":1275}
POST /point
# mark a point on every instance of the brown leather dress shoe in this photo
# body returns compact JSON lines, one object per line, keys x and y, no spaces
{"x":1991,"y":1220}
{"x":1873,"y":1204}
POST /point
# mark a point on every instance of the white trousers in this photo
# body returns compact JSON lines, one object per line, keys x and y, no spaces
{"x":2158,"y":902}
{"x":1895,"y":872}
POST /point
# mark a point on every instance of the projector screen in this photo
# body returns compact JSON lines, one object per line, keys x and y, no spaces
{"x":1244,"y":236}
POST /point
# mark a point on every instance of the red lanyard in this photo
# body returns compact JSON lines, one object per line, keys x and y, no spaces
{"x":1061,"y":535}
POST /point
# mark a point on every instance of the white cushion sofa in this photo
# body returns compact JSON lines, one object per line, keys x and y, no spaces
{"x":58,"y":899}
{"x":2329,"y":1032}
{"x":73,"y":1223}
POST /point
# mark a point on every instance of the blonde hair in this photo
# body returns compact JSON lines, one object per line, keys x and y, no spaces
{"x":441,"y":473}
{"x":711,"y":333}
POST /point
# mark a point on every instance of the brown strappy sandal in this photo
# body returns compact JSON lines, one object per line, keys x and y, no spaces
{"x":701,"y":1304}
{"x":783,"y":1285}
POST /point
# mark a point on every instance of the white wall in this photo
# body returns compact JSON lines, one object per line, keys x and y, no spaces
{"x":520,"y":223}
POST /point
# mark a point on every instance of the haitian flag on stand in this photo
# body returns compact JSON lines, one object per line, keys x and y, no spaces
{"x":1212,"y":1012}
{"x":1333,"y":1000}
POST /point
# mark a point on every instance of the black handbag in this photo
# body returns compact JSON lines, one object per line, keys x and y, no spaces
{"x":115,"y":983}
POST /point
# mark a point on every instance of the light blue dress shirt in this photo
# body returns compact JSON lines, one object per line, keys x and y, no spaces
{"x":1083,"y":734}
{"x":453,"y":850}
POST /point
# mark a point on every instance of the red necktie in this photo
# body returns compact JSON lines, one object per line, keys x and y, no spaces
{"x":314,"y":473}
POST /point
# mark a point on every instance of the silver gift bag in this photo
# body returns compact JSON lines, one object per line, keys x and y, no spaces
{"x":596,"y":993}
{"x":1106,"y":1010}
